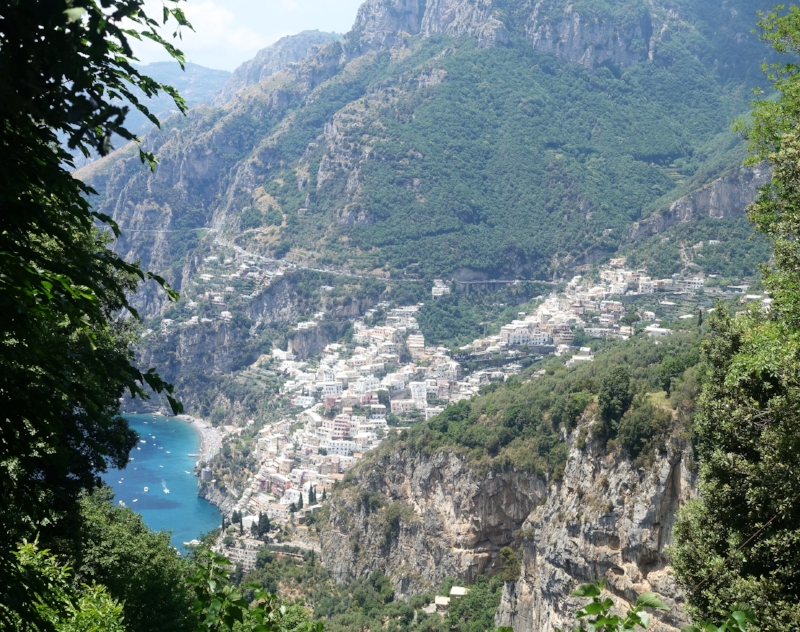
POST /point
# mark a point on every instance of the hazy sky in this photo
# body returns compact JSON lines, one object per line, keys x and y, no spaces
{"x":229,"y":32}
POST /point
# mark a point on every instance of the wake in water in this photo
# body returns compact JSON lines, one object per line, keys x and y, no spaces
{"x":164,"y":485}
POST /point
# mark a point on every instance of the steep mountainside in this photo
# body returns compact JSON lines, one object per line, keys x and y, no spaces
{"x":458,"y":138}
{"x":285,"y":51}
{"x":608,"y":519}
{"x":197,"y":85}
{"x":539,"y":466}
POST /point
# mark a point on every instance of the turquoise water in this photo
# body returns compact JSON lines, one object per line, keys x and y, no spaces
{"x":162,"y":463}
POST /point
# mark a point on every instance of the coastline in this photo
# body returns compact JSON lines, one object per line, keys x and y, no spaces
{"x":210,"y":437}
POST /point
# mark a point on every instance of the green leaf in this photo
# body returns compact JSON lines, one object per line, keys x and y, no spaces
{"x":651,"y":600}
{"x":586,"y":590}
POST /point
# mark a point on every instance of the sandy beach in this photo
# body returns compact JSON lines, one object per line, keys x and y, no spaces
{"x":210,"y":437}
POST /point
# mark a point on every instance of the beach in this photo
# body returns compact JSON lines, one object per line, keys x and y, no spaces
{"x":210,"y":437}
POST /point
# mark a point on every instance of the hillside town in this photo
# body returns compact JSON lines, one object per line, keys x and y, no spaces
{"x":387,"y":377}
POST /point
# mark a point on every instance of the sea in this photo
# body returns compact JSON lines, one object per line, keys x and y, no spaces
{"x":161,"y":463}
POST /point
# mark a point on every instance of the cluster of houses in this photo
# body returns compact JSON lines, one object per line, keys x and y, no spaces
{"x":351,"y":396}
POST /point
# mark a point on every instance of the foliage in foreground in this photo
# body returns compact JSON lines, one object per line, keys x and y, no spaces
{"x":598,"y":616}
{"x":739,"y":542}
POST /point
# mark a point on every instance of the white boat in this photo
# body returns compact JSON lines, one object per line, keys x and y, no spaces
{"x":164,"y":485}
{"x":142,"y":441}
{"x":136,"y":500}
{"x":187,"y":471}
{"x":160,"y":466}
{"x":168,"y":452}
{"x":146,"y":489}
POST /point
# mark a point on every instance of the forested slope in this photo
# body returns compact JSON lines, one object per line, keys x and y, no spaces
{"x":456,"y":139}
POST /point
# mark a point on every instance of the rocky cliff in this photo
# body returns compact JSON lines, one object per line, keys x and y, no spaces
{"x":421,"y":518}
{"x":606,"y":518}
{"x":723,"y":198}
{"x":272,"y":59}
{"x":216,"y":497}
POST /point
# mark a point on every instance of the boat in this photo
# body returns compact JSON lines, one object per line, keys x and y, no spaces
{"x":136,"y":500}
{"x":142,"y":441}
{"x":160,"y":466}
{"x":168,"y":452}
{"x":192,"y":455}
{"x":164,"y":485}
{"x":120,"y":503}
{"x":146,"y":489}
{"x":138,"y":448}
{"x":187,"y":471}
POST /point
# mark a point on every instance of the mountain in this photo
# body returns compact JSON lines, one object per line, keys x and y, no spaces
{"x":456,"y":138}
{"x":285,"y":51}
{"x":196,"y":84}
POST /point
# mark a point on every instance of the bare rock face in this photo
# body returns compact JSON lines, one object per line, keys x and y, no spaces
{"x":606,"y":518}
{"x":421,"y":518}
{"x":590,"y":40}
{"x":268,"y":61}
{"x":723,"y":198}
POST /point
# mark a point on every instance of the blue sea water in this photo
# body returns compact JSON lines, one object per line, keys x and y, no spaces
{"x":161,"y":462}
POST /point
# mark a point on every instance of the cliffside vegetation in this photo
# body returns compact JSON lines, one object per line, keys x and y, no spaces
{"x":368,"y":604}
{"x":739,"y":543}
{"x":519,"y":424}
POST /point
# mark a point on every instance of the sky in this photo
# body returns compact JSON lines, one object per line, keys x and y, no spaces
{"x":229,"y":32}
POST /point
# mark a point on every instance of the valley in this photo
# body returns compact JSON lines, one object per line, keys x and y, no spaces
{"x":444,"y":285}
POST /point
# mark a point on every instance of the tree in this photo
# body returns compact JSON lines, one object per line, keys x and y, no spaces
{"x":615,"y":396}
{"x":739,"y":542}
{"x":65,"y":360}
{"x":511,"y":564}
{"x":60,"y":605}
{"x":112,"y":545}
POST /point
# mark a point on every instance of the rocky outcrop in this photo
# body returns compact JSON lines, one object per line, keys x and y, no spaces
{"x":209,"y":347}
{"x":421,"y":518}
{"x":723,"y":198}
{"x":216,"y":497}
{"x":606,"y":518}
{"x":287,"y":50}
{"x":591,"y":39}
{"x":307,"y":342}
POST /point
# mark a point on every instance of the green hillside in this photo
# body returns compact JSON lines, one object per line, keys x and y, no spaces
{"x":443,"y":155}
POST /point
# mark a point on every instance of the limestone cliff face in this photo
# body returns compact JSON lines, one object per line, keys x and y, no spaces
{"x":723,"y":198}
{"x":305,"y":343}
{"x":606,"y":518}
{"x":272,"y":59}
{"x":216,"y":497}
{"x":421,"y":518}
{"x":206,"y":347}
{"x":591,"y":40}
